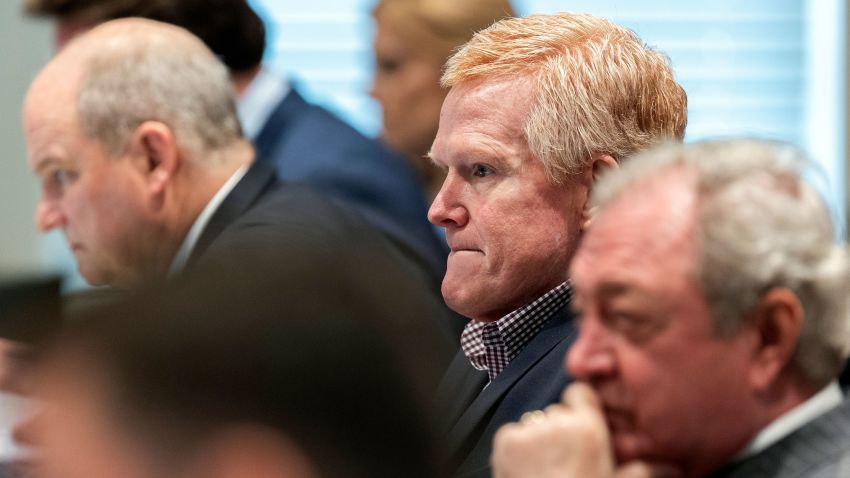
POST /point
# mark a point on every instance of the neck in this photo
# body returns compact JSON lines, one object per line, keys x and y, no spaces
{"x":194,"y":189}
{"x":780,"y":398}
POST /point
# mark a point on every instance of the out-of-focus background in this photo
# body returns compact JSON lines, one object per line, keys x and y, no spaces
{"x":769,"y":68}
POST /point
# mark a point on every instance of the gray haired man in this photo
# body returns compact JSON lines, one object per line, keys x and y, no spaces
{"x":133,"y":133}
{"x":714,"y":306}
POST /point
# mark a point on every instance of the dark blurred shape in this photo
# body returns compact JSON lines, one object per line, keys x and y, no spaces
{"x":230,"y":28}
{"x":30,"y":308}
{"x":844,"y":378}
{"x":77,"y":303}
{"x":30,"y":312}
{"x":326,"y":353}
{"x":299,"y":280}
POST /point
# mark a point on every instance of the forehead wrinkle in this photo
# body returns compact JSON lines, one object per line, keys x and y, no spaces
{"x":483,"y":96}
{"x":486,"y":135}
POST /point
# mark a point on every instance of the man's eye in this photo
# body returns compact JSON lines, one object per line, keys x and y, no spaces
{"x":481,"y":170}
{"x":387,"y":65}
{"x":636,"y":327}
{"x":63,"y":178}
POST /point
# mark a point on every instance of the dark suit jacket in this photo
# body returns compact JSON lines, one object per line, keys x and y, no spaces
{"x":820,"y":449}
{"x":262,"y":215}
{"x":309,"y":144}
{"x":470,"y":416}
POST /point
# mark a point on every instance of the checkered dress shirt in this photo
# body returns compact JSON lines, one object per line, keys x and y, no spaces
{"x":491,"y":346}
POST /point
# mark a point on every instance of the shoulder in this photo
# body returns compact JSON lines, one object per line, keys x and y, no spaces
{"x":821,"y":448}
{"x":295,"y":210}
{"x":312,"y":125}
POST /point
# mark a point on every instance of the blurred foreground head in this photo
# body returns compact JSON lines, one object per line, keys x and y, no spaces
{"x":262,"y":368}
{"x":713,"y":300}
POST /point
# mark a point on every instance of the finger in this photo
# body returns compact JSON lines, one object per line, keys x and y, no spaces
{"x":554,"y":409}
{"x":634,"y":470}
{"x":581,"y":396}
{"x":532,"y":417}
{"x":638,"y":469}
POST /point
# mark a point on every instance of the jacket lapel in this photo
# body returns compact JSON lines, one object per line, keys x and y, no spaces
{"x":462,"y":383}
{"x":257,"y":180}
{"x":554,"y":332}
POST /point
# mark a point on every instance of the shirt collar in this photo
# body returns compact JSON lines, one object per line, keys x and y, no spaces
{"x":825,"y":400}
{"x":259,"y":101}
{"x":188,"y":245}
{"x":491,"y":346}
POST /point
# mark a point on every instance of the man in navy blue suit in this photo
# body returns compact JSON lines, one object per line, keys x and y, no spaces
{"x":539,"y":107}
{"x":304,"y":142}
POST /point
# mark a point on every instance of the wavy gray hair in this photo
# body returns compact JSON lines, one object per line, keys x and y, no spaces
{"x":759,"y":226}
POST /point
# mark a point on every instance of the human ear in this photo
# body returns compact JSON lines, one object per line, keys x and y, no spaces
{"x":155,"y":154}
{"x":777,"y":321}
{"x":600,"y":164}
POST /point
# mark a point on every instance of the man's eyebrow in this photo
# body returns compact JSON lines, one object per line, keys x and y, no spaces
{"x":613,"y":289}
{"x":434,"y":160}
{"x":45,"y":163}
{"x":49,"y":161}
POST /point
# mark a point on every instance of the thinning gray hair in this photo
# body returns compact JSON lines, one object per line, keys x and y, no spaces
{"x":129,"y":84}
{"x":758,"y":226}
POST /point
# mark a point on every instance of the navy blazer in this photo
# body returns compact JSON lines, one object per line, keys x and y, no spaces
{"x":308,"y":144}
{"x":470,"y":414}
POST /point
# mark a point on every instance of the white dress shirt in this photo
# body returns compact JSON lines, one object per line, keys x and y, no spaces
{"x":188,"y":245}
{"x":825,"y":400}
{"x":259,"y":101}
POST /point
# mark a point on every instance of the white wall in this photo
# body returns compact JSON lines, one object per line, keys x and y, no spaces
{"x":24,"y":47}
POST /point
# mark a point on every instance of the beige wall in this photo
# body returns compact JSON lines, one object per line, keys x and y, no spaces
{"x":24,"y":47}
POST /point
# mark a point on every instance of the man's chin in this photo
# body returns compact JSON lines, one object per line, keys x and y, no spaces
{"x":461,"y":300}
{"x":460,"y":305}
{"x":95,"y":277}
{"x":629,"y":447}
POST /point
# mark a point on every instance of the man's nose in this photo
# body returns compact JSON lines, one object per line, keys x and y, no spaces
{"x":447,"y":209}
{"x":591,"y":357}
{"x":374,"y":91}
{"x":48,"y":216}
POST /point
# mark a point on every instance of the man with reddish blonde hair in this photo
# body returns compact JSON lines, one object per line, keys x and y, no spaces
{"x":539,"y":107}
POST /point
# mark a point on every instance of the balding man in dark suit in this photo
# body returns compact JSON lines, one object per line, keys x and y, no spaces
{"x":133,"y":132}
{"x":302,"y":141}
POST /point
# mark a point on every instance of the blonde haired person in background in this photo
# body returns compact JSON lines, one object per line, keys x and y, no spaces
{"x":413,"y":40}
{"x":539,"y":107}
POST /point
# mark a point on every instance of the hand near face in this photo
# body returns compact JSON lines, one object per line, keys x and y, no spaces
{"x":569,"y":439}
